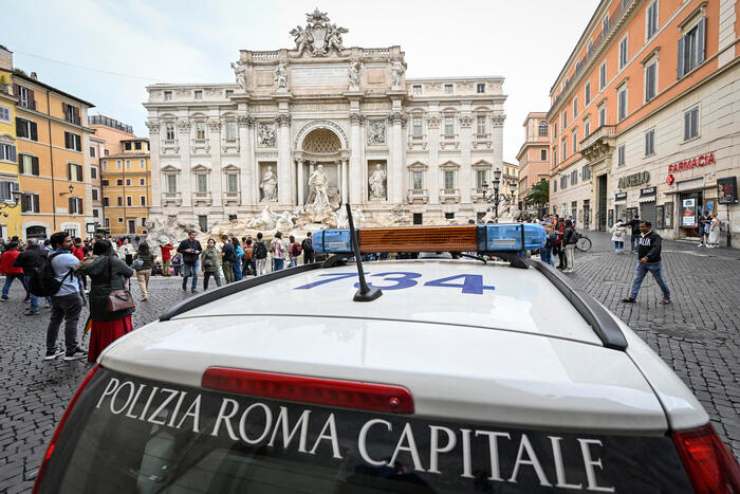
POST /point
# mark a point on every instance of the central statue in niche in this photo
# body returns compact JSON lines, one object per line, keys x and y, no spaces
{"x":319,"y":184}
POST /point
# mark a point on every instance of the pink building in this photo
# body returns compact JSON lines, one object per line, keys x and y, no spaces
{"x":534,"y":155}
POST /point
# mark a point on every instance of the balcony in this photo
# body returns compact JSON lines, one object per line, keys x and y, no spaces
{"x":232,"y":198}
{"x":478,"y":194}
{"x":202,"y":199}
{"x":417,"y":142}
{"x":449,"y":141}
{"x":28,"y":104}
{"x":172,"y":199}
{"x":73,"y":119}
{"x":598,"y":143}
{"x":449,"y":195}
{"x":417,"y":196}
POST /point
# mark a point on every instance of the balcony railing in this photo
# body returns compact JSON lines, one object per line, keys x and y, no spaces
{"x":449,"y":195}
{"x":172,"y":198}
{"x":417,"y":196}
{"x":29,"y":104}
{"x":603,"y":132}
{"x":232,"y":197}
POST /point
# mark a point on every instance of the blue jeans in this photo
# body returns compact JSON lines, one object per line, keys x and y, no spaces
{"x":618,"y":246}
{"x":546,"y":255}
{"x":278,"y":264}
{"x":642,"y":271}
{"x":238,"y":269}
{"x":635,"y":242}
{"x":9,"y":278}
{"x":190,"y":271}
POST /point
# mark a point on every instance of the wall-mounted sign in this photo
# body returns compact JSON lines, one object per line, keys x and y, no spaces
{"x":727,"y":190}
{"x":634,"y":180}
{"x":620,"y":196}
{"x":688,"y":212}
{"x":669,"y":179}
{"x":648,"y":191}
{"x":691,"y":163}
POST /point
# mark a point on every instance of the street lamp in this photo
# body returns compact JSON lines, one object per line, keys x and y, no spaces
{"x":496,"y":184}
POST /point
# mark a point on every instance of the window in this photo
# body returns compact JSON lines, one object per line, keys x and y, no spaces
{"x":171,"y":183}
{"x":7,"y":152}
{"x":143,"y":221}
{"x":119,"y":201}
{"x":574,"y":177}
{"x":449,"y":126}
{"x":554,"y":130}
{"x":542,"y":129}
{"x":168,"y":95}
{"x":129,"y":201}
{"x":417,"y":89}
{"x":106,"y":202}
{"x":554,"y":154}
{"x":621,"y":149}
{"x":95,"y":194}
{"x":71,"y":113}
{"x":203,"y":223}
{"x":602,"y":115}
{"x":120,"y":220}
{"x":565,"y":120}
{"x":29,"y":165}
{"x":481,"y":125}
{"x":622,"y":103}
{"x":563,"y":182}
{"x":142,"y":165}
{"x":691,"y":124}
{"x":128,"y":164}
{"x":651,"y":79}
{"x":587,"y":94}
{"x":418,"y":180}
{"x":74,"y":172}
{"x":93,"y":172}
{"x":554,"y":185}
{"x":6,"y":191}
{"x":142,"y":182}
{"x":92,"y":152}
{"x":231,"y":131}
{"x":691,"y":48}
{"x":232,"y":183}
{"x":575,"y":107}
{"x":169,"y":132}
{"x":449,"y":177}
{"x":652,"y":20}
{"x":417,"y":129}
{"x":25,"y":97}
{"x":118,"y":164}
{"x":119,"y":181}
{"x":564,"y":147}
{"x":228,"y":93}
{"x":30,"y":203}
{"x":4,"y":113}
{"x":142,"y":200}
{"x":106,"y":152}
{"x":200,"y":131}
{"x":26,"y":128}
{"x":480,"y":88}
{"x":72,"y":141}
{"x":418,"y":219}
{"x":448,"y":88}
{"x":128,"y":146}
{"x":137,"y":146}
{"x":650,"y":142}
{"x":198,"y":94}
{"x":480,"y":180}
{"x":96,"y":213}
{"x":202,"y":183}
{"x":575,"y":141}
{"x":586,"y":128}
{"x":128,"y":181}
{"x":104,"y":183}
{"x":623,"y":53}
{"x":75,"y":205}
{"x":449,"y":216}
{"x":543,"y":154}
{"x":602,"y":76}
{"x":605,"y":24}
{"x":585,"y":173}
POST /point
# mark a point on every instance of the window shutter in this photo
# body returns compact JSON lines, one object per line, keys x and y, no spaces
{"x":34,"y":132}
{"x":13,"y":157}
{"x":66,"y":140}
{"x":34,"y":166}
{"x":70,"y":205}
{"x":80,"y":206}
{"x":31,"y":99}
{"x":686,"y":125}
{"x":69,"y":171}
{"x":701,"y":40}
{"x":16,"y":90}
{"x":24,"y":203}
{"x":680,"y":64}
{"x":20,"y":128}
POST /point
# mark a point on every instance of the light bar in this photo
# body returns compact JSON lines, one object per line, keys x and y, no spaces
{"x":502,"y":237}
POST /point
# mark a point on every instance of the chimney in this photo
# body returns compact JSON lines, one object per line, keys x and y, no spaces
{"x":6,"y":59}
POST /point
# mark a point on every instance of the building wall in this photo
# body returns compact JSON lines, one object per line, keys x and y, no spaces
{"x":95,"y":153}
{"x":532,"y":168}
{"x":10,"y":214}
{"x":127,"y":175}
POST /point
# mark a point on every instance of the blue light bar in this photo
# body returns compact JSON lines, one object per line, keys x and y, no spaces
{"x":332,"y":241}
{"x":507,"y":237}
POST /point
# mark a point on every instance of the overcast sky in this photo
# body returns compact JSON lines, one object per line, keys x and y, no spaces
{"x":132,"y":43}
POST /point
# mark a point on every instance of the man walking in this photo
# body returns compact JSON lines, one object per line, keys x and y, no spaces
{"x":260,"y":254}
{"x":308,"y":252}
{"x":648,"y":253}
{"x":9,"y":268}
{"x":190,"y":249}
{"x":29,"y":260}
{"x":228,"y":257}
{"x":66,"y":303}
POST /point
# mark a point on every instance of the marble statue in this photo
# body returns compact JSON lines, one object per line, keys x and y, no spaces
{"x":284,"y":222}
{"x":319,"y":37}
{"x":268,"y":185}
{"x":397,"y":71}
{"x":264,"y":221}
{"x":266,"y":135}
{"x":281,"y":76}
{"x":376,"y":133}
{"x":354,"y":76}
{"x":377,"y":183}
{"x":240,"y":72}
{"x":319,"y":184}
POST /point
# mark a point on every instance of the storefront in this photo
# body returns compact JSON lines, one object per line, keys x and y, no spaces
{"x":694,"y":196}
{"x":648,"y":208}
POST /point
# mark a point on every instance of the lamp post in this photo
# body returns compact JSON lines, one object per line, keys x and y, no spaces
{"x":496,"y":185}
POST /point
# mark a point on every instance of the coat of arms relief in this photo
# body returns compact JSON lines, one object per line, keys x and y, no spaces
{"x":319,"y":37}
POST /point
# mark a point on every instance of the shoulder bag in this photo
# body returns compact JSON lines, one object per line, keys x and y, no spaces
{"x":118,"y":300}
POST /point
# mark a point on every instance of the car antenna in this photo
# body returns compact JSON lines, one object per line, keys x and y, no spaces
{"x":365,"y":293}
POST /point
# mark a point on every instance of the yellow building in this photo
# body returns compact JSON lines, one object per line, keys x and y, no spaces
{"x":10,"y":211}
{"x":126,"y":184}
{"x":52,"y":138}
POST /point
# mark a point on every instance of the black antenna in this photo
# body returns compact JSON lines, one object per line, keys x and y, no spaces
{"x":365,"y":293}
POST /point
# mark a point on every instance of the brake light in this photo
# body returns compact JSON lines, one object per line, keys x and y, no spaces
{"x":58,"y":430}
{"x":303,"y":389}
{"x":709,"y":464}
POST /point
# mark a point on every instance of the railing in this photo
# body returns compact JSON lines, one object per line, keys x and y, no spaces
{"x":377,"y":52}
{"x":603,"y":132}
{"x":266,"y":55}
{"x":29,"y":105}
{"x":452,"y":195}
{"x":417,"y":195}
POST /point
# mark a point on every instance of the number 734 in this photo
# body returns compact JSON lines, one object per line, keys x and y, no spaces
{"x":400,"y":280}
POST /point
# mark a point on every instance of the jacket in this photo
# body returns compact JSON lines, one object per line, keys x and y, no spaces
{"x":148,"y":261}
{"x":635,"y":226}
{"x":619,"y":232}
{"x":570,"y":237}
{"x":189,"y":257}
{"x":102,"y":285}
{"x":210,"y":260}
{"x":29,"y":259}
{"x":649,"y":246}
{"x":166,"y":252}
{"x":228,"y":252}
{"x":7,"y":263}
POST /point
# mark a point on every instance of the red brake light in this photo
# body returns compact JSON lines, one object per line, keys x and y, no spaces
{"x":710,"y":465}
{"x":52,"y":444}
{"x":302,"y":389}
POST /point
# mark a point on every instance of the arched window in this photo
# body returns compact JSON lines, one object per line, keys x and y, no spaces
{"x":542,"y":129}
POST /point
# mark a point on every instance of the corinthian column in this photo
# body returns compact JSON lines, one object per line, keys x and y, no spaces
{"x":395,"y":184}
{"x":155,"y":139}
{"x":286,"y":191}
{"x":183,"y":127}
{"x":355,"y":167}
{"x":246,"y":161}
{"x":498,"y":140}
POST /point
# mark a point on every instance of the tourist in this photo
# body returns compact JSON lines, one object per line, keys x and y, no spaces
{"x":248,"y":258}
{"x":190,"y":249}
{"x":166,"y":257}
{"x":228,"y":257}
{"x":107,"y":273}
{"x":714,"y":231}
{"x":29,"y":260}
{"x":126,"y":251}
{"x":277,"y":248}
{"x":559,"y":249}
{"x":210,"y":259}
{"x":66,"y":303}
{"x":569,"y":242}
{"x":260,"y":255}
{"x":704,"y":221}
{"x":294,"y":251}
{"x":635,"y":229}
{"x":619,"y":234}
{"x":648,"y":253}
{"x":238,"y":255}
{"x":546,"y":251}
{"x":177,"y":264}
{"x":308,"y":252}
{"x":142,"y":264}
{"x":9,"y":269}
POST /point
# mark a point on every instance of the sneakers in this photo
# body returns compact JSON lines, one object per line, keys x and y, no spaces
{"x":30,"y":312}
{"x":665,"y":301}
{"x":628,"y":300}
{"x":76,"y":354}
{"x":4,"y":298}
{"x":52,"y":354}
{"x":194,"y":291}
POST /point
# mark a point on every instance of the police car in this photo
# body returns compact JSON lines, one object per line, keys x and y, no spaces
{"x":408,"y":376}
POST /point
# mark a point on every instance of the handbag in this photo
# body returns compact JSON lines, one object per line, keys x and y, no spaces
{"x":118,"y":300}
{"x":138,"y":264}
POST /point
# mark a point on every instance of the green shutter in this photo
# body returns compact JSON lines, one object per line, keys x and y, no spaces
{"x":680,"y":65}
{"x":701,"y":40}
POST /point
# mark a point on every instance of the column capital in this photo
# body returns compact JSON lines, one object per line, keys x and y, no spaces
{"x":245,"y":121}
{"x":283,"y":119}
{"x":214,"y":124}
{"x":498,"y":120}
{"x":356,"y":118}
{"x":153,"y":126}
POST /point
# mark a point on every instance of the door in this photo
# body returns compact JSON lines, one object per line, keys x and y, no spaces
{"x":132,"y":226}
{"x":37,"y":232}
{"x":601,"y":226}
{"x":648,"y":212}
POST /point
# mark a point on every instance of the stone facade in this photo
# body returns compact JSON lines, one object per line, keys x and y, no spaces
{"x":320,"y":125}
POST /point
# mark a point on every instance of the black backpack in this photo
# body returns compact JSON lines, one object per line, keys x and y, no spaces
{"x":260,"y":251}
{"x":44,"y":281}
{"x":307,"y":245}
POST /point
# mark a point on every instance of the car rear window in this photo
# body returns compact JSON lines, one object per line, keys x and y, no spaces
{"x":129,"y":434}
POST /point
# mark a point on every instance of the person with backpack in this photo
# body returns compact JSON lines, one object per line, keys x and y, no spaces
{"x":294,"y":251}
{"x":56,"y":278}
{"x":142,"y":264}
{"x":190,"y":249}
{"x":211,"y":262}
{"x":238,"y":255}
{"x":260,"y":255}
{"x":569,"y":241}
{"x":108,"y":274}
{"x":9,"y":269}
{"x":649,"y":247}
{"x":29,"y":261}
{"x":308,"y":253}
{"x":277,"y":249}
{"x":248,"y":259}
{"x":228,"y":257}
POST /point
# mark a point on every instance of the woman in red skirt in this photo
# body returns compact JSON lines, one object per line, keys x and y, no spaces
{"x":107,"y":273}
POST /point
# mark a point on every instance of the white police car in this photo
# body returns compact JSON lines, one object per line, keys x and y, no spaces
{"x":463,"y":376}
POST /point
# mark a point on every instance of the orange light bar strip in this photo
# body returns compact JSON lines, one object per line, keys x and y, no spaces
{"x":419,"y":239}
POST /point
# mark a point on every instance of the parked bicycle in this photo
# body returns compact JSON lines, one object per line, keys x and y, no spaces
{"x":583,"y":243}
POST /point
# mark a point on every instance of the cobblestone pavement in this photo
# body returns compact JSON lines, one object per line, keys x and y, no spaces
{"x":698,"y":336}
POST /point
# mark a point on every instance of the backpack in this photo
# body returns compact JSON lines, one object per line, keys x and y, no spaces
{"x":307,"y":245}
{"x":44,"y":281}
{"x":260,"y":251}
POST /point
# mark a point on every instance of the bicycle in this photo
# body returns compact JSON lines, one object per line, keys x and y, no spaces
{"x":583,"y":243}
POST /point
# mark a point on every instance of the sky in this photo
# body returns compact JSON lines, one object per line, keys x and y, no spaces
{"x":107,"y":51}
